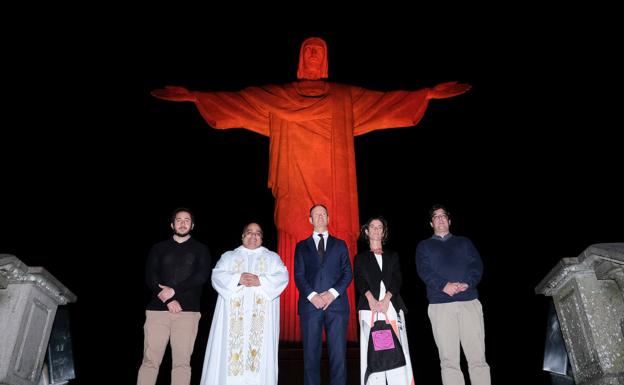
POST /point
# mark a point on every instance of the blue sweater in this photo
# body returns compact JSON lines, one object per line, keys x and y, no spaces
{"x":448,"y":259}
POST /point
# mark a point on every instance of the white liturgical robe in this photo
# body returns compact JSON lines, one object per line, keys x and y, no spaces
{"x":244,"y":336}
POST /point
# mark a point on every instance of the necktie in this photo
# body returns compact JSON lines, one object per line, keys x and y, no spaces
{"x":321,"y":247}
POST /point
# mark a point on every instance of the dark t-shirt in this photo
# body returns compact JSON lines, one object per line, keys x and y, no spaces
{"x":185,"y":267}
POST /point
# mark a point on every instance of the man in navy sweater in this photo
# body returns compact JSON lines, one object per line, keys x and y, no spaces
{"x":451,"y":268}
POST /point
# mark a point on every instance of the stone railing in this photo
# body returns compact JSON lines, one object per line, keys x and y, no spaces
{"x":588,"y":293}
{"x":29,"y":297}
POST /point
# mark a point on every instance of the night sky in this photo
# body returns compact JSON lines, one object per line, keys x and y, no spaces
{"x":527,"y":162}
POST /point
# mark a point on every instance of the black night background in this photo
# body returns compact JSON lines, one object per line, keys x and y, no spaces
{"x":528,"y":161}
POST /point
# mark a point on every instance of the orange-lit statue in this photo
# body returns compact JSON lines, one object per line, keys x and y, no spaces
{"x":311,"y":124}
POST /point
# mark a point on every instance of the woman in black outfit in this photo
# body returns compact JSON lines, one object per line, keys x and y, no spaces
{"x":378,"y":282}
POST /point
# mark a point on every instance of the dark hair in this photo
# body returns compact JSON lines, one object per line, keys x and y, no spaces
{"x":383,"y":221}
{"x":181,"y":210}
{"x":251,"y":223}
{"x":318,"y":205}
{"x":438,"y":206}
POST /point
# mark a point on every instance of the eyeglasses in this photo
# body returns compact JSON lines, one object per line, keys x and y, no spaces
{"x":439,"y":216}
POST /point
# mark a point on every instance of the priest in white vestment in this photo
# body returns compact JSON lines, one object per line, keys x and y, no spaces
{"x":244,"y":336}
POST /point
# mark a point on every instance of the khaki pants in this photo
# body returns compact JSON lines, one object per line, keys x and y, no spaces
{"x":454,"y":323}
{"x":162,"y":327}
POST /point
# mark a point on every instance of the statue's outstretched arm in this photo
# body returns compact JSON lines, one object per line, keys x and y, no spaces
{"x":174,"y":94}
{"x":448,"y":90}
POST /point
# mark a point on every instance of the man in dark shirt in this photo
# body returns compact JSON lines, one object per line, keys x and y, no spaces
{"x":176,"y":270}
{"x":451,"y":268}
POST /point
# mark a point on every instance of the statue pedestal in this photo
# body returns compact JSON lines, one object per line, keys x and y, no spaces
{"x":29,"y":297}
{"x":588,"y":293}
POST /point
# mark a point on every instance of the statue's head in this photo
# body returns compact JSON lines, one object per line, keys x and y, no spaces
{"x":313,"y":59}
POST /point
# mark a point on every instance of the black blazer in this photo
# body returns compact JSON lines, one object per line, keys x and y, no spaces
{"x":368,"y":277}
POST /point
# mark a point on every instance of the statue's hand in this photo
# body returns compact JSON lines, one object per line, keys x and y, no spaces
{"x":448,"y":90}
{"x":174,"y":93}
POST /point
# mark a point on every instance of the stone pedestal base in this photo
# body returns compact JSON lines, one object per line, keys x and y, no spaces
{"x":589,"y":302}
{"x":28,"y":303}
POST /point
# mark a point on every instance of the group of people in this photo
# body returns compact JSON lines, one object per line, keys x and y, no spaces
{"x":244,"y":336}
{"x":311,"y":124}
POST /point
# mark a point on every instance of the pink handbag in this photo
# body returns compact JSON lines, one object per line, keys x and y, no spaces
{"x":382,"y":338}
{"x":384,"y":348}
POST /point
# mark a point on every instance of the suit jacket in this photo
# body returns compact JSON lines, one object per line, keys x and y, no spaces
{"x":312,"y":275}
{"x":368,"y":276}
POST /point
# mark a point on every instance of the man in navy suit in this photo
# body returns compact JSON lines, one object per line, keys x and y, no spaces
{"x":322,"y":274}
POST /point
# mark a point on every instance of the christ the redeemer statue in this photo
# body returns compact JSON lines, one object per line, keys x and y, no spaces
{"x":311,"y":124}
